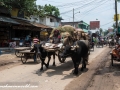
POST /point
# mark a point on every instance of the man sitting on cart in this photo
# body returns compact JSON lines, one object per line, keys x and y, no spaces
{"x":56,"y":37}
{"x":116,"y":50}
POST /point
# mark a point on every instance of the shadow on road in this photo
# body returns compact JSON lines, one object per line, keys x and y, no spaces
{"x":65,"y":69}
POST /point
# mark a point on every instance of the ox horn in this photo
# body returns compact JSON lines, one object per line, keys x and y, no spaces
{"x":74,"y":47}
{"x":63,"y":47}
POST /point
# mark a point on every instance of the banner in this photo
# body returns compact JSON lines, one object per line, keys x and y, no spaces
{"x":94,"y":25}
{"x":118,"y":17}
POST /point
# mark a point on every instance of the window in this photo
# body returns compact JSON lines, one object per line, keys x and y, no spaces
{"x":51,"y":20}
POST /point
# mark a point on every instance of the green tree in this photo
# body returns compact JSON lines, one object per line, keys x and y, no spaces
{"x":101,"y":30}
{"x":106,"y":32}
{"x":40,"y":11}
{"x":29,"y":6}
{"x":51,"y":10}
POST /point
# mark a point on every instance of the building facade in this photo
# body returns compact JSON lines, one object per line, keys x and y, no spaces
{"x":83,"y":25}
{"x":49,"y":20}
{"x":13,"y":27}
{"x":78,"y":24}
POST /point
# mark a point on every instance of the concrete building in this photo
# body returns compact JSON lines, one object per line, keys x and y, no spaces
{"x":78,"y":24}
{"x":49,"y":20}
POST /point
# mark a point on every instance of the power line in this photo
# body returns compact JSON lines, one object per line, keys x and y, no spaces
{"x":67,"y":4}
{"x":82,"y":6}
{"x":78,"y":7}
{"x":95,"y":7}
{"x":107,"y":23}
{"x":101,"y":11}
{"x":51,"y":1}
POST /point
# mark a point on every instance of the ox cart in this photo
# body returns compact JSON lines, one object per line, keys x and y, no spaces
{"x":17,"y":50}
{"x":57,"y":49}
{"x":113,"y":56}
{"x":26,"y":53}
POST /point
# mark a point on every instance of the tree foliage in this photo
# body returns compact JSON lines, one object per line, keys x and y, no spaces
{"x":101,"y":30}
{"x":51,"y":10}
{"x":40,"y":11}
{"x":106,"y":32}
{"x":30,"y":7}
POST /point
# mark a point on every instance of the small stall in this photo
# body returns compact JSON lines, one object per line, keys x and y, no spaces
{"x":4,"y":37}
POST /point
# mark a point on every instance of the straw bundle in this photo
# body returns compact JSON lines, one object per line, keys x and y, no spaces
{"x":58,"y":28}
{"x":66,"y":28}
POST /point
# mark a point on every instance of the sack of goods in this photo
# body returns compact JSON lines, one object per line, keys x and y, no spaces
{"x":63,"y":29}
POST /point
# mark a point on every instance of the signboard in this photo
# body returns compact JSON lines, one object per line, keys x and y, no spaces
{"x":118,"y":17}
{"x":118,"y":30}
{"x":94,"y":25}
{"x":110,"y":30}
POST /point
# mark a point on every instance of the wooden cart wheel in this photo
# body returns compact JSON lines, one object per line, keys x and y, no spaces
{"x":24,"y":58}
{"x":62,"y":60}
{"x":111,"y":59}
{"x":17,"y":53}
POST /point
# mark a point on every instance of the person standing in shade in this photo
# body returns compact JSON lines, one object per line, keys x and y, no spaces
{"x":36,"y":48}
{"x":35,"y":42}
{"x":35,"y":39}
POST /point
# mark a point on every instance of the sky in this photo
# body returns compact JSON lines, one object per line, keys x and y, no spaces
{"x":86,"y":10}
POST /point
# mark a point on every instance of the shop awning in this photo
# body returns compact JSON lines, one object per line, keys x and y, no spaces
{"x":8,"y":20}
{"x":41,"y":25}
{"x":22,"y":22}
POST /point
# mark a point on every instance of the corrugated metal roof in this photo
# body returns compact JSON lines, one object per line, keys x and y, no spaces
{"x":8,"y":20}
{"x":22,"y":22}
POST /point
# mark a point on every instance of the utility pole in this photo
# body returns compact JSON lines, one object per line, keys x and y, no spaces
{"x":116,"y":15}
{"x":73,"y":17}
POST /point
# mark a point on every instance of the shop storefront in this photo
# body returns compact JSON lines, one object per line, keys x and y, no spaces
{"x":5,"y":30}
{"x":19,"y":32}
{"x":4,"y":37}
{"x":13,"y":30}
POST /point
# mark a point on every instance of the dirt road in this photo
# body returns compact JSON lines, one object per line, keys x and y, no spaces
{"x":59,"y":77}
{"x":100,"y":75}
